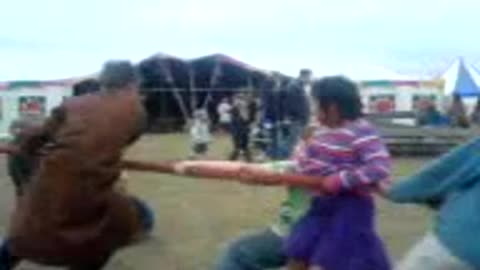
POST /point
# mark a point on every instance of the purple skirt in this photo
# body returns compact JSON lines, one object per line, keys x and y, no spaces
{"x":338,"y":233}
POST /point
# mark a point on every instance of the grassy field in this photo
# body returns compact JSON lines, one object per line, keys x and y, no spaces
{"x":195,"y":218}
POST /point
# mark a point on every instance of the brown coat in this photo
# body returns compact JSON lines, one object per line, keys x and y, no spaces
{"x":70,"y":212}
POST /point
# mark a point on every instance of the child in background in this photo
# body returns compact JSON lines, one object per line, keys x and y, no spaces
{"x":200,"y":134}
{"x":338,"y":231}
{"x":225,"y":115}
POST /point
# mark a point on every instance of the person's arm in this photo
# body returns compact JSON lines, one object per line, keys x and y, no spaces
{"x":377,"y":166}
{"x":456,"y":170}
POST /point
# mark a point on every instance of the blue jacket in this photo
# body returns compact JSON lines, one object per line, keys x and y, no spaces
{"x":290,"y":102}
{"x":271,"y":105}
{"x":453,"y":183}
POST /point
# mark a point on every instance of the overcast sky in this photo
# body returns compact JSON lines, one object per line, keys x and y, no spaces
{"x":48,"y":39}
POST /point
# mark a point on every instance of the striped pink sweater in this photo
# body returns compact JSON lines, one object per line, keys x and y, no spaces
{"x":353,"y":157}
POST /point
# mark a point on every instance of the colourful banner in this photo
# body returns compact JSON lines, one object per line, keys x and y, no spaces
{"x":34,"y":84}
{"x":414,"y":84}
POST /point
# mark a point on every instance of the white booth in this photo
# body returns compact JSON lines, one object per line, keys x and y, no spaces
{"x":391,"y":96}
{"x":29,"y":98}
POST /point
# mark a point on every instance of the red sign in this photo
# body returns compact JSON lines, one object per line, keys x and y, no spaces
{"x":382,"y":104}
{"x":32,"y":105}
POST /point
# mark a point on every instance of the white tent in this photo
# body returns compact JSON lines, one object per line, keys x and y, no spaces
{"x":454,"y":73}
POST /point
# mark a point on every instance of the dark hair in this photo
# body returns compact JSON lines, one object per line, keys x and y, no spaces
{"x":339,"y":91}
{"x":118,"y":74}
{"x":305,"y":72}
{"x":86,"y":87}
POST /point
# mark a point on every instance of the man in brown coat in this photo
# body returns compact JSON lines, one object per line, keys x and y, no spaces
{"x":70,"y":214}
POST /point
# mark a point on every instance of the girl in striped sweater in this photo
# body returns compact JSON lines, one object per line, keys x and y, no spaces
{"x":338,"y":231}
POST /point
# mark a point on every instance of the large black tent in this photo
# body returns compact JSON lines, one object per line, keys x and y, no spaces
{"x":165,"y":84}
{"x":163,"y":71}
{"x":216,"y":76}
{"x":175,"y":88}
{"x":219,"y":71}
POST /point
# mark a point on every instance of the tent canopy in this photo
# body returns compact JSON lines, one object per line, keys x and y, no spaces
{"x":174,"y":86}
{"x":164,"y":71}
{"x":216,"y":71}
{"x":461,"y":79}
{"x":219,"y":71}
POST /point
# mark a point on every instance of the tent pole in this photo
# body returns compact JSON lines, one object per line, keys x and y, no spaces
{"x":181,"y":104}
{"x":193,"y":97}
{"x":213,"y":82}
{"x":176,"y":94}
{"x":250,"y":83}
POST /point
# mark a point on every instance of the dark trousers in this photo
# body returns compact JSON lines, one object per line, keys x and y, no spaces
{"x":241,"y":142}
{"x":284,"y":138}
{"x":7,"y":260}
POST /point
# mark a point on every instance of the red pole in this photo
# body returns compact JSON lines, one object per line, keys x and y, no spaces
{"x":219,"y":170}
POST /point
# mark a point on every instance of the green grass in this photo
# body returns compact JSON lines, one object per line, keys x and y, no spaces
{"x":195,"y":218}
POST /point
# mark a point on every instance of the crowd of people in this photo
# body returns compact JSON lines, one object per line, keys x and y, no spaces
{"x":455,"y":116}
{"x":70,"y":212}
{"x":235,"y":119}
{"x":267,"y":122}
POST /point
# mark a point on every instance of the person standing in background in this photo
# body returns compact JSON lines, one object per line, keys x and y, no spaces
{"x":272,"y":114}
{"x":240,"y":128}
{"x":295,"y":105}
{"x":429,"y":116}
{"x":253,"y":105}
{"x":457,"y":113}
{"x":475,"y":116}
{"x":224,"y":111}
{"x":200,"y":133}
